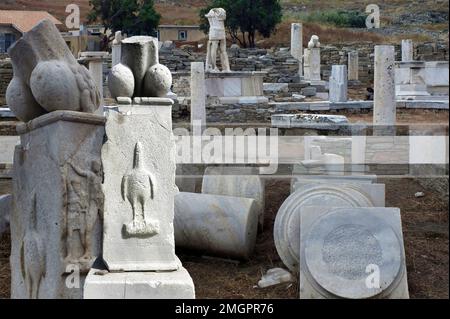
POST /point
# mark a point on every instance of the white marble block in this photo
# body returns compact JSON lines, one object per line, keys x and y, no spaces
{"x":58,"y":204}
{"x":407,"y":50}
{"x":237,"y":182}
{"x":287,"y":222}
{"x":198,"y":93}
{"x":338,"y":83}
{"x":353,"y":66}
{"x":101,"y":284}
{"x":297,"y":45}
{"x":352,"y":253}
{"x":384,"y":108}
{"x":139,"y":186}
{"x":216,"y":225}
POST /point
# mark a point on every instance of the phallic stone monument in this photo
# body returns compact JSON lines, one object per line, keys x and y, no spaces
{"x":338,"y":83}
{"x":297,"y":45}
{"x":334,"y":194}
{"x":138,"y":158}
{"x":139,"y":74}
{"x":222,"y":226}
{"x":95,"y":65}
{"x":57,"y":196}
{"x":352,"y":253}
{"x":47,"y":77}
{"x":217,"y":41}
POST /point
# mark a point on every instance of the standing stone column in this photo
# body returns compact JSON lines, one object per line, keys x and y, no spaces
{"x":353,"y":66}
{"x":95,"y":60}
{"x":117,"y":49}
{"x":314,"y":64}
{"x":306,"y":64}
{"x":297,"y":45}
{"x":198,"y":94}
{"x":407,"y":50}
{"x":384,"y":108}
{"x":139,"y":186}
{"x":58,"y":204}
{"x":338,"y":83}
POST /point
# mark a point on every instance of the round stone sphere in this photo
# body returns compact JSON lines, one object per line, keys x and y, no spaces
{"x":121,"y":81}
{"x":54,"y":86}
{"x":158,"y":81}
{"x":21,"y":101}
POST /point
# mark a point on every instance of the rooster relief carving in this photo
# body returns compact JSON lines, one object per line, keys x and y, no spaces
{"x":138,"y":187}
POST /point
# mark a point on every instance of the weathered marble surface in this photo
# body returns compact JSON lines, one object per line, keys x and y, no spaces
{"x":217,"y":41}
{"x":47,"y":77}
{"x":343,"y":251}
{"x":58,"y":204}
{"x":384,"y":108}
{"x":5,"y":212}
{"x":338,"y":83}
{"x":139,"y":187}
{"x":101,"y":284}
{"x":287,"y":222}
{"x":216,"y":225}
{"x":236,"y":182}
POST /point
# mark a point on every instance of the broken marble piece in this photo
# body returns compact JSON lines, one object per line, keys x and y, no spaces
{"x":353,"y":253}
{"x":222,"y":226}
{"x":140,"y":60}
{"x":47,"y":77}
{"x":139,"y":186}
{"x":102,"y":284}
{"x":275,"y":276}
{"x":287,"y":222}
{"x":5,"y":212}
{"x":58,"y":204}
{"x":236,"y":182}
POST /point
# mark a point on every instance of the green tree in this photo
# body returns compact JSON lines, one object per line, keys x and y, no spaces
{"x":133,"y":17}
{"x":246,"y":18}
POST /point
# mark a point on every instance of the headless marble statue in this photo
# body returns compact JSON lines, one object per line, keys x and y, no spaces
{"x":217,"y":41}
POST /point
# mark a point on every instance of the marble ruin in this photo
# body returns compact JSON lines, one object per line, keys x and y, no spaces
{"x":47,"y":77}
{"x":217,"y":43}
{"x":139,"y":74}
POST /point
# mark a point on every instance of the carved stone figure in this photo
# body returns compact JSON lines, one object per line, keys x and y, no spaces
{"x":84,"y":205}
{"x":47,"y":77}
{"x":33,"y":255}
{"x":139,"y":74}
{"x":217,"y":41}
{"x":138,"y":187}
{"x":314,"y":42}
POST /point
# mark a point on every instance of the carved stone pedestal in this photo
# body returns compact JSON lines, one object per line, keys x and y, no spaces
{"x":139,"y":185}
{"x":57,"y":204}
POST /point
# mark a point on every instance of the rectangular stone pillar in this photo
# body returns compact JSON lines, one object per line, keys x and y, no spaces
{"x":297,"y":45}
{"x":353,"y":66}
{"x":314,"y":64}
{"x":384,"y":109}
{"x":407,"y":50}
{"x":139,"y":186}
{"x":57,"y":205}
{"x":116,"y":54}
{"x":338,"y":83}
{"x":198,"y":94}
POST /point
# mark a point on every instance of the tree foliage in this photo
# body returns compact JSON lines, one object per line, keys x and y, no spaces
{"x":246,"y":18}
{"x":133,"y":17}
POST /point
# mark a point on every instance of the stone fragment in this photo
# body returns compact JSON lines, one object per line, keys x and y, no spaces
{"x":384,"y":108}
{"x":5,"y":212}
{"x":275,"y":276}
{"x":216,"y":225}
{"x":353,"y":253}
{"x":338,"y":83}
{"x":47,"y":77}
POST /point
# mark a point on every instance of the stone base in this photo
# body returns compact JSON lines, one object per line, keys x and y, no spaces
{"x":101,"y":284}
{"x":232,"y":84}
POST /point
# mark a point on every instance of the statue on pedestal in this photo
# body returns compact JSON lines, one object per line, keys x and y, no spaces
{"x":217,"y":41}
